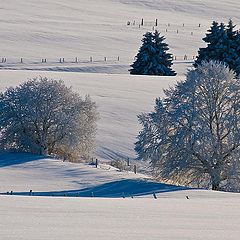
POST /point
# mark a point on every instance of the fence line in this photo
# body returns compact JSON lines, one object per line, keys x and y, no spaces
{"x":76,"y":60}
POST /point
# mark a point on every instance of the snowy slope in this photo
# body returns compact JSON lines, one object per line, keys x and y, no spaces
{"x":35,"y":30}
{"x":211,"y":216}
{"x":56,"y":29}
{"x":120,"y":98}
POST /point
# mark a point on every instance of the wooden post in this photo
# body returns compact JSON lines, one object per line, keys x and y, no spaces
{"x":135,"y":169}
{"x":21,"y":60}
{"x":105,"y":59}
{"x":156,"y":22}
{"x":154,"y":195}
{"x":76,"y":59}
{"x":142,"y":22}
{"x":60,"y":60}
{"x":91,"y":59}
{"x":63,"y":60}
{"x":118,"y":58}
{"x":96,"y":163}
{"x":177,"y":30}
{"x":128,"y":162}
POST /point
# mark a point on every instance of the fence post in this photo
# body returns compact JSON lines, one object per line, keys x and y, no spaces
{"x":154,"y":195}
{"x":118,"y":58}
{"x":105,"y":59}
{"x":142,"y":22}
{"x":128,"y":162}
{"x":21,"y":60}
{"x":76,"y":59}
{"x":135,"y":169}
{"x":156,"y":22}
{"x":91,"y":59}
{"x":96,"y":163}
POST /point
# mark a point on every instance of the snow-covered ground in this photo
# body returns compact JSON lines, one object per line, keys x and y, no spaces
{"x":120,"y":98}
{"x":35,"y":30}
{"x":208,"y":216}
{"x":43,"y":29}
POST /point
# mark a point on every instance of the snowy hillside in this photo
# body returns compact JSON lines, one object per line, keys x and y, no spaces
{"x":79,"y":201}
{"x":205,"y":215}
{"x":208,"y":216}
{"x":120,"y":98}
{"x":36,"y":30}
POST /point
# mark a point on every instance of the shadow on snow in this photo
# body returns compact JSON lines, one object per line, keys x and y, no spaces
{"x":13,"y":158}
{"x":121,"y":188}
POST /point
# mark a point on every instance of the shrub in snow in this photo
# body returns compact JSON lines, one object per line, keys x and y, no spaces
{"x":43,"y":116}
{"x":223,"y":44}
{"x":193,"y":135}
{"x":152,"y":58}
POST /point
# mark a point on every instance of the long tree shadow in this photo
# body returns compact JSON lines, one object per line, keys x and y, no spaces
{"x":116,"y":189}
{"x":13,"y":158}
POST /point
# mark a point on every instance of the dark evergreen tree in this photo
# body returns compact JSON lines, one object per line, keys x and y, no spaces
{"x":215,"y":48}
{"x":152,"y":58}
{"x":222,"y":45}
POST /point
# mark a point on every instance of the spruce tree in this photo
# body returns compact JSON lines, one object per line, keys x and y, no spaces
{"x":223,"y":46}
{"x":152,"y":58}
{"x":215,"y":48}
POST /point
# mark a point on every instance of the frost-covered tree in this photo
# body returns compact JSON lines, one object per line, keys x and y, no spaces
{"x":43,"y":116}
{"x":222,"y":45}
{"x":153,"y":58}
{"x":193,"y":135}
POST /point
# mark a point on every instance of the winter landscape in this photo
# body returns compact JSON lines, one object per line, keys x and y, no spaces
{"x":90,"y":45}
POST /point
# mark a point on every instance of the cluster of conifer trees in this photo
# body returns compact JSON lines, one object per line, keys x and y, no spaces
{"x":223,"y":45}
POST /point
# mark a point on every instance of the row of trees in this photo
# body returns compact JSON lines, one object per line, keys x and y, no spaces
{"x":223,"y":44}
{"x":43,"y":116}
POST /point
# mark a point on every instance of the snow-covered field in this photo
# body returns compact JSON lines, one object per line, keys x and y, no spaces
{"x":204,"y":216}
{"x":35,"y":30}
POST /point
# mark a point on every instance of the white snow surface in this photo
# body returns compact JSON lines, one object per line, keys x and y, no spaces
{"x":212,"y":216}
{"x":35,"y":30}
{"x":119,"y":97}
{"x":43,"y":29}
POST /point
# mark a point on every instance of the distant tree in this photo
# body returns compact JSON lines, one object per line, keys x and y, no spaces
{"x":152,"y":58}
{"x":222,"y":45}
{"x":193,"y":135}
{"x":43,"y":116}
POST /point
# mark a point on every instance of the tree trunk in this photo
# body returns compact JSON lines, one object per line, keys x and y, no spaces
{"x":215,"y":186}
